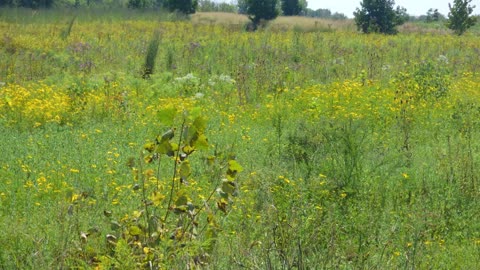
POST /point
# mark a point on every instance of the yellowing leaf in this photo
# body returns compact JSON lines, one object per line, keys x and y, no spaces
{"x":164,"y":147}
{"x":233,"y":165}
{"x":233,"y":169}
{"x":228,"y":187}
{"x":222,"y":205}
{"x":201,"y":142}
{"x":187,"y":149}
{"x":200,"y":124}
{"x":149,"y":147}
{"x":134,"y":230}
{"x":185,"y":169}
{"x":182,"y":200}
{"x":157,"y":198}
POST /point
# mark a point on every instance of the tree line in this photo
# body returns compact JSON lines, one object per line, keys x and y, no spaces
{"x":373,"y":16}
{"x":381,"y":16}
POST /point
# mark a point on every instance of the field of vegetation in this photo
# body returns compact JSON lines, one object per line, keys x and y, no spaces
{"x":140,"y":141}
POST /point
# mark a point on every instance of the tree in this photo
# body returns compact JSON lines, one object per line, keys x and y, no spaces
{"x":182,"y":6}
{"x":261,"y":10}
{"x":378,"y":16}
{"x":433,"y":15}
{"x":35,"y":3}
{"x":292,"y":7}
{"x":6,"y":3}
{"x":137,"y":4}
{"x":242,"y":6}
{"x":210,"y":5}
{"x":324,"y":13}
{"x":459,"y":17}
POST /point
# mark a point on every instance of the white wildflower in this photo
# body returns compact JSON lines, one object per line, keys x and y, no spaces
{"x":442,"y":59}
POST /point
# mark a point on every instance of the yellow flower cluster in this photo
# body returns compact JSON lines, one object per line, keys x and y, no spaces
{"x":346,"y":100}
{"x":35,"y":104}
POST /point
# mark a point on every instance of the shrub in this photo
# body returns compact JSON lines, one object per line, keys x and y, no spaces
{"x":459,"y":19}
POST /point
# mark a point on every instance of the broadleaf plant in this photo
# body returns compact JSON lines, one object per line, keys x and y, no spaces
{"x":177,"y":221}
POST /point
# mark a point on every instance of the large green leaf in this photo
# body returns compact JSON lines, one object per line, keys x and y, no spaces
{"x":201,"y":142}
{"x":200,"y":124}
{"x":185,"y":170}
{"x":166,"y":116}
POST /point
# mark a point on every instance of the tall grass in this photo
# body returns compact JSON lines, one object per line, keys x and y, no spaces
{"x":151,"y":55}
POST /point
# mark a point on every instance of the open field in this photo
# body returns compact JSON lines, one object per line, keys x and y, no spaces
{"x":288,"y":148}
{"x":282,"y":23}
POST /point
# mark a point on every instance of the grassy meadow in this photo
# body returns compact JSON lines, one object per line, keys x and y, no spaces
{"x":144,"y":141}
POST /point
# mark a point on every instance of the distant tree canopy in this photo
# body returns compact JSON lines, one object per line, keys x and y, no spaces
{"x":433,"y":15}
{"x":182,"y":6}
{"x":136,"y":3}
{"x":293,"y":7}
{"x":324,"y":13}
{"x":27,"y":3}
{"x":242,"y":6}
{"x":209,"y":6}
{"x":261,"y":10}
{"x":6,"y":3}
{"x":459,"y":17}
{"x":379,"y":16}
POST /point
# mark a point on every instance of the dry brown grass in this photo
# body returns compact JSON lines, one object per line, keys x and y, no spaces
{"x":409,"y":28}
{"x":218,"y":18}
{"x":281,"y":23}
{"x":311,"y":24}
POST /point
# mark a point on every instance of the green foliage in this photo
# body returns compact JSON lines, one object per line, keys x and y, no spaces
{"x":151,"y":55}
{"x":177,"y":222}
{"x":68,"y":30}
{"x":324,"y":13}
{"x":263,"y":10}
{"x":182,"y":6}
{"x":6,"y":3}
{"x":242,"y":6}
{"x":459,"y":17}
{"x":433,"y":15}
{"x":35,"y":3}
{"x":426,"y":83}
{"x":291,"y":7}
{"x":211,"y":6}
{"x":139,"y":4}
{"x":432,"y":78}
{"x":379,"y":16}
